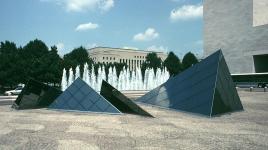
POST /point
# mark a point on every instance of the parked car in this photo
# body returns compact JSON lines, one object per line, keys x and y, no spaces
{"x":262,"y":85}
{"x":16,"y":91}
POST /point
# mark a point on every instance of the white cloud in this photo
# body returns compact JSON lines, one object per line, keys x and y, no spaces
{"x":178,"y":0}
{"x":107,"y":5}
{"x":92,"y":45}
{"x":187,"y":12}
{"x":148,"y":35}
{"x":130,"y":47}
{"x":158,"y":48}
{"x":83,"y":5}
{"x":80,"y":5}
{"x":86,"y":26}
{"x":60,"y":46}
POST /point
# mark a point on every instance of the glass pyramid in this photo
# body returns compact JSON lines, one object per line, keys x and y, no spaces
{"x":81,"y":97}
{"x":205,"y":88}
{"x":120,"y":101}
{"x":36,"y":95}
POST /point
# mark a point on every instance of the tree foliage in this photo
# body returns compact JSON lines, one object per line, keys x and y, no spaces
{"x":77,"y":57}
{"x":9,"y":68}
{"x":40,"y":63}
{"x":188,"y":60}
{"x":34,"y":60}
{"x":118,"y":67}
{"x":151,"y":61}
{"x":173,"y":64}
{"x":51,"y":66}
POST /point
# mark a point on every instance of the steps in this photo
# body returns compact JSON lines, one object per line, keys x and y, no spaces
{"x":134,"y":94}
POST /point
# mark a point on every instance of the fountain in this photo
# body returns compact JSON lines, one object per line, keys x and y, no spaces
{"x":64,"y":82}
{"x":77,"y":72}
{"x":71,"y":77}
{"x":86,"y":75}
{"x":127,"y":80}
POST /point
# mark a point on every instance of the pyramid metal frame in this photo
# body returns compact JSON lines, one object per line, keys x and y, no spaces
{"x":79,"y":96}
{"x":205,"y":88}
{"x":120,"y":101}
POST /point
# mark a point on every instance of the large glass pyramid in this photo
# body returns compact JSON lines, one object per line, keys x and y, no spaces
{"x":205,"y":88}
{"x":81,"y":97}
{"x":120,"y":101}
{"x":36,"y":95}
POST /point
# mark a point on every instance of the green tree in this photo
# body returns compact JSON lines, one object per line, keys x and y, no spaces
{"x":152,"y":61}
{"x":32,"y":58}
{"x":189,"y":60}
{"x":78,"y":56}
{"x":173,"y":64}
{"x":9,"y":65}
{"x":119,"y":67}
{"x":35,"y":49}
{"x":50,"y":67}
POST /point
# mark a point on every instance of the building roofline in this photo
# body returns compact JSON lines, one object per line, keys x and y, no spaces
{"x":126,"y":49}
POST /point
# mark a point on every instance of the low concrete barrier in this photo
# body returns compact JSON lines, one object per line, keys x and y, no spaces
{"x":252,"y":89}
{"x":7,"y":100}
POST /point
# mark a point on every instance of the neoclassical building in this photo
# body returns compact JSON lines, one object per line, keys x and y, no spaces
{"x":240,"y":29}
{"x":131,"y":57}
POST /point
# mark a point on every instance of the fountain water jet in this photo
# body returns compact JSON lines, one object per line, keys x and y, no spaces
{"x":127,"y":80}
{"x":64,"y":81}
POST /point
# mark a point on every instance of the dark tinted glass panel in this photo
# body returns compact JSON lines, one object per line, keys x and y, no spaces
{"x":80,"y":96}
{"x":195,"y":89}
{"x":226,"y":97}
{"x":120,"y":101}
{"x":260,"y":63}
{"x":36,"y":95}
{"x":190,"y":91}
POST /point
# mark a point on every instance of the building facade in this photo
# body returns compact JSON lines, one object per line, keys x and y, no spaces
{"x":240,"y":29}
{"x":133,"y":58}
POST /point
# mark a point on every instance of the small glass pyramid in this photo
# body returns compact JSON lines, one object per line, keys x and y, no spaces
{"x":81,"y":97}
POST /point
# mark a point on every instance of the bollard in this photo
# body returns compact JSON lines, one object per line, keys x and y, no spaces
{"x":250,"y":89}
{"x":264,"y":89}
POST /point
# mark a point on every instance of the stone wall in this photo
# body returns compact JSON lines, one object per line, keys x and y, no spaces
{"x":228,"y":25}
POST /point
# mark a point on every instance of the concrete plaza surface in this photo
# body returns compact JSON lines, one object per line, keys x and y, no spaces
{"x":49,"y":129}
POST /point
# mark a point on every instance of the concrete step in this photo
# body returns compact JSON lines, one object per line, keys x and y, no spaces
{"x":7,"y":100}
{"x":134,"y":94}
{"x":8,"y":97}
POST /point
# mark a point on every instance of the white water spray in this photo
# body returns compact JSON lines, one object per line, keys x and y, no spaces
{"x":64,"y":82}
{"x":127,"y":80}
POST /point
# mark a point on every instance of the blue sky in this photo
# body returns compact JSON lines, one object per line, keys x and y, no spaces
{"x":162,"y":25}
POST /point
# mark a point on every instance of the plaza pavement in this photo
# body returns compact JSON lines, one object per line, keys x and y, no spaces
{"x":49,"y":129}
